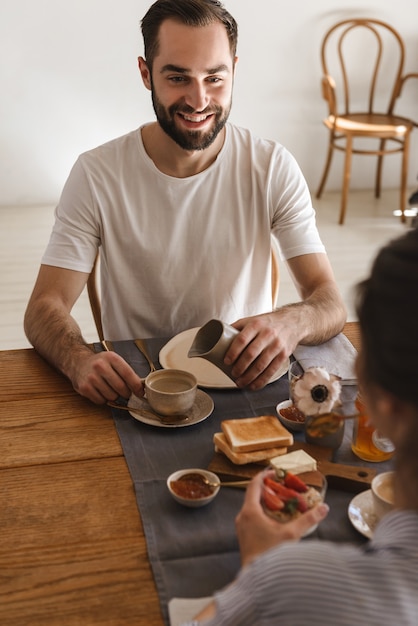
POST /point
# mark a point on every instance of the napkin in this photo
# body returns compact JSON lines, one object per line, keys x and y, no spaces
{"x":184,"y":609}
{"x":337,"y":355}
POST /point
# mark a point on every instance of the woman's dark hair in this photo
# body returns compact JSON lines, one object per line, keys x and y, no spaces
{"x":387,"y":309}
{"x":188,"y":12}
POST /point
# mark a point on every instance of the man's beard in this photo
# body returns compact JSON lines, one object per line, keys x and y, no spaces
{"x":190,"y":140}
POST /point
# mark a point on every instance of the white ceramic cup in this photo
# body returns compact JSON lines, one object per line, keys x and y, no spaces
{"x":170,"y":391}
{"x":382,"y":493}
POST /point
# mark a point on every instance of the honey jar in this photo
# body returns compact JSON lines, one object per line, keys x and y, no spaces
{"x":367,"y":443}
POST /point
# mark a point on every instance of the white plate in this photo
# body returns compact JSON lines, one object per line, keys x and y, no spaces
{"x":361,"y":514}
{"x":201,"y":409}
{"x":174,"y":356}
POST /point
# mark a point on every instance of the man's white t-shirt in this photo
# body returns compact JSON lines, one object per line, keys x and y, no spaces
{"x":176,"y":252}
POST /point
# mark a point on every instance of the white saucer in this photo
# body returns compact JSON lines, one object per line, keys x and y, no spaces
{"x":201,"y":409}
{"x":361,"y":515}
{"x":174,"y":356}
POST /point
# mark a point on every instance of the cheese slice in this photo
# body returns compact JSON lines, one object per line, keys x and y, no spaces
{"x":296,"y":462}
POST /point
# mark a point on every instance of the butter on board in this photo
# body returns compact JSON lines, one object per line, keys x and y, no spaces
{"x":296,"y":462}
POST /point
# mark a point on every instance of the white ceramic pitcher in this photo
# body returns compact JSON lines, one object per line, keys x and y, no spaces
{"x":212,"y":342}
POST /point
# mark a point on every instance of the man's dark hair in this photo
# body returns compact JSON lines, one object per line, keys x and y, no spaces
{"x":188,"y":12}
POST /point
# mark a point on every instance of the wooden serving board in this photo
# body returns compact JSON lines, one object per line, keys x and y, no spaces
{"x":352,"y":478}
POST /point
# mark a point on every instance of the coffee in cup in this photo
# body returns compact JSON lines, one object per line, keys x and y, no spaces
{"x":170,"y":392}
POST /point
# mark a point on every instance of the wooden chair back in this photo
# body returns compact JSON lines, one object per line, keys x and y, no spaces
{"x":362,"y":64}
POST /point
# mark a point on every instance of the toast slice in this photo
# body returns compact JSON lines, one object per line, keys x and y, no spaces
{"x":242,"y":458}
{"x":256,"y":433}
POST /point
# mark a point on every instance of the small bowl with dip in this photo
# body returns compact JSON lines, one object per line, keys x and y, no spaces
{"x":290,"y":416}
{"x":193,"y":487}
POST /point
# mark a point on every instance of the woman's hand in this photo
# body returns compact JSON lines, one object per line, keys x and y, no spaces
{"x":258,"y":532}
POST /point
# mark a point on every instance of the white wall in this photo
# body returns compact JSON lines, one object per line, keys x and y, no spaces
{"x":69,"y":81}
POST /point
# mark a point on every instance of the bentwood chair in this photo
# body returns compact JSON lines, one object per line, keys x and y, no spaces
{"x":94,"y":292}
{"x":363,"y":63}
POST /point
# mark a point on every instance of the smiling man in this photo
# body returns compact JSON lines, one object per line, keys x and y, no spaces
{"x":183,"y":210}
{"x":191,"y":97}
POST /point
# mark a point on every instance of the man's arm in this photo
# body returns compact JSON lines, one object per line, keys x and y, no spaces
{"x":323,"y":311}
{"x":55,"y":334}
{"x":265,"y":341}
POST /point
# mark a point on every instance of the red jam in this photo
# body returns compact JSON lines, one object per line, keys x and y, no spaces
{"x":293,"y":414}
{"x":192,"y":486}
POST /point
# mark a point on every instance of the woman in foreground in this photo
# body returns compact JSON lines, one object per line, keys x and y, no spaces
{"x":320,"y":583}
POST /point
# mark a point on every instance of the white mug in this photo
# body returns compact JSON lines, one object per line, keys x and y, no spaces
{"x":170,"y":392}
{"x":382,"y":493}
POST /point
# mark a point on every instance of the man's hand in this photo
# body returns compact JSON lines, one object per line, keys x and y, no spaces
{"x":55,"y":334}
{"x":105,"y":376}
{"x":266,"y":340}
{"x":257,"y":532}
{"x":264,"y":343}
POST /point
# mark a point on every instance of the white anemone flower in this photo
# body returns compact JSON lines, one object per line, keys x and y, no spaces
{"x":316,"y":391}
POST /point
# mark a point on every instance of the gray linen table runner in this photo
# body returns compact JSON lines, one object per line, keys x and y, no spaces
{"x":194,"y":552}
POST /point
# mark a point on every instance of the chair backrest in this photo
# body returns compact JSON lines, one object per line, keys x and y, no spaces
{"x":363,"y":59}
{"x":93,"y":289}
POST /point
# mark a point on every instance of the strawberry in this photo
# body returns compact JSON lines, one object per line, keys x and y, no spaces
{"x":281,"y":489}
{"x":272,"y":500}
{"x":302,"y":505}
{"x":294,"y":482}
{"x":291,"y":499}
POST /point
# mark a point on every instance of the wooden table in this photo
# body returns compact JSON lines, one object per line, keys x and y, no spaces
{"x":72,"y":547}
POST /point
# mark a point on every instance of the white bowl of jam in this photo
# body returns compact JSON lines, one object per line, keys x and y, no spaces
{"x":290,"y":416}
{"x":193,"y":487}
